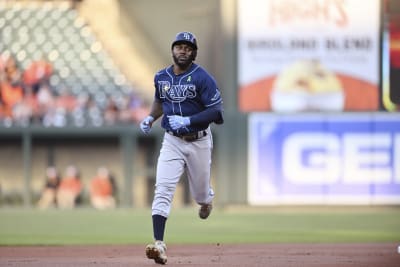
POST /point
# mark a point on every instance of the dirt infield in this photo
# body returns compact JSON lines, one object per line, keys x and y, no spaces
{"x":276,"y":255}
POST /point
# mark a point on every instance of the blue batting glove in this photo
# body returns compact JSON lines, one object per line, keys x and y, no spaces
{"x":146,"y":124}
{"x":177,"y":122}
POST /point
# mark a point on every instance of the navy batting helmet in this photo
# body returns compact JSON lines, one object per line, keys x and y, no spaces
{"x":185,"y":37}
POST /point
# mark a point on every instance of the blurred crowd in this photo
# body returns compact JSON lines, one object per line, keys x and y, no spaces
{"x":27,"y":97}
{"x":67,"y":192}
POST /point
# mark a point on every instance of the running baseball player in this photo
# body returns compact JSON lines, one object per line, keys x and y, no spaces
{"x":190,"y":101}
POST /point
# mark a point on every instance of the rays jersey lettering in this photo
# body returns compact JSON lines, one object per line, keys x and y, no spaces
{"x":176,"y":93}
{"x":186,"y":94}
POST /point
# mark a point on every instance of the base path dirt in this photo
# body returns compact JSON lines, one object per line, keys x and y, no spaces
{"x":241,"y":255}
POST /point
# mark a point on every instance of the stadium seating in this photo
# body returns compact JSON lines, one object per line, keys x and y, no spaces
{"x":54,"y":32}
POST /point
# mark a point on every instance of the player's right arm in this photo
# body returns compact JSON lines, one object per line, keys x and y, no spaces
{"x":155,"y":112}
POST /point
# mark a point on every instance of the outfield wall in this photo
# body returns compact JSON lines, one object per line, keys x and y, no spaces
{"x":324,"y":159}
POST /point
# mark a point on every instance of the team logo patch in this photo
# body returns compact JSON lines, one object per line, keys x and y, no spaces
{"x":216,"y":96}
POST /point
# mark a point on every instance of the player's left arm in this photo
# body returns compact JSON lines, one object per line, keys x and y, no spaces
{"x":209,"y":115}
{"x":212,"y":101}
{"x":205,"y":117}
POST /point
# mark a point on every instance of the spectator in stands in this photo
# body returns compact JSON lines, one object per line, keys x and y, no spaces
{"x":63,"y":105}
{"x":45,"y":101}
{"x":66,"y":100}
{"x":102,"y":190}
{"x":26,"y":110}
{"x":94,"y":113}
{"x":111,"y":112}
{"x":26,"y":97}
{"x":48,"y":198}
{"x":2,"y":78}
{"x":11,"y":86}
{"x":38,"y":73}
{"x":70,"y":189}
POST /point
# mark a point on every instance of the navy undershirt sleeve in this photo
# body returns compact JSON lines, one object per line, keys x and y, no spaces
{"x":207,"y":116}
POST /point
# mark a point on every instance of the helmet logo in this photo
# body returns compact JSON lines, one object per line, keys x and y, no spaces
{"x":186,"y":36}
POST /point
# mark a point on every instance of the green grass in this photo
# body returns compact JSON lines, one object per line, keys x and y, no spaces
{"x":231,"y":225}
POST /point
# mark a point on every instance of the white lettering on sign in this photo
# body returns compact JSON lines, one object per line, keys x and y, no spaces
{"x":327,"y":158}
{"x":311,"y":158}
{"x":367,"y":158}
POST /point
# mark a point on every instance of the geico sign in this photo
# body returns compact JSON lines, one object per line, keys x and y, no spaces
{"x":351,"y":158}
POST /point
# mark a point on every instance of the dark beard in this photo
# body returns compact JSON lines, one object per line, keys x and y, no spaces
{"x":183,"y":64}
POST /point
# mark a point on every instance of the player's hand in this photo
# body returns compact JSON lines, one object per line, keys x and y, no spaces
{"x":146,"y":124}
{"x":177,"y":122}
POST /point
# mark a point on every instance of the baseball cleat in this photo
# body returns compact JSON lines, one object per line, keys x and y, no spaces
{"x":205,"y":211}
{"x":157,"y":252}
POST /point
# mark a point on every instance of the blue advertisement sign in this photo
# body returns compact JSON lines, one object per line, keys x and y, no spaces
{"x":324,"y":159}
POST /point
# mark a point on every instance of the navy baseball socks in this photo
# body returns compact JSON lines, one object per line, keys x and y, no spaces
{"x":159,"y":226}
{"x":157,"y":251}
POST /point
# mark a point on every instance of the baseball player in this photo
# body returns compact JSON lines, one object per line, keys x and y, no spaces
{"x":190,"y":101}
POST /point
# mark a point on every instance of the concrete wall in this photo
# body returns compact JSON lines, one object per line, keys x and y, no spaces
{"x":156,"y":23}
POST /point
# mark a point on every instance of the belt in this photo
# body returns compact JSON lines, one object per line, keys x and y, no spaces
{"x":189,"y":137}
